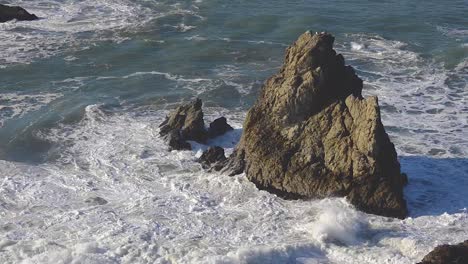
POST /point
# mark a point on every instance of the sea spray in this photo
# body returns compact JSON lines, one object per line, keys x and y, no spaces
{"x":338,"y":223}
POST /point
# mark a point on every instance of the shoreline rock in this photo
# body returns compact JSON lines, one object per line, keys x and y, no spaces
{"x":8,"y":13}
{"x":311,"y":134}
{"x":447,"y":254}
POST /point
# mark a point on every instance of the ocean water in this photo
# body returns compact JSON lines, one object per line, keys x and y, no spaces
{"x":84,"y":177}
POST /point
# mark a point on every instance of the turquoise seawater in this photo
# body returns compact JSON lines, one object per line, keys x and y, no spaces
{"x":82,"y":91}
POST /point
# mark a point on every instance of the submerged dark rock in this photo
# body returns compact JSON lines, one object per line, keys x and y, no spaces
{"x":446,"y":254}
{"x":213,"y":158}
{"x":8,"y":13}
{"x":311,"y":134}
{"x":96,"y":201}
{"x":186,"y":123}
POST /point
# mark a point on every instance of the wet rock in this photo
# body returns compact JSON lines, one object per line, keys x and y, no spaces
{"x":176,"y":142}
{"x":311,"y":134}
{"x":446,"y":254}
{"x":96,"y":201}
{"x":219,"y":127}
{"x":8,"y":13}
{"x":188,"y":119}
{"x":213,"y":158}
{"x":186,"y":123}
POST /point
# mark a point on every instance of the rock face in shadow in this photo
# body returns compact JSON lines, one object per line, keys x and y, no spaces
{"x":219,"y":127}
{"x":8,"y":13}
{"x":186,"y":123}
{"x":176,"y":141}
{"x":213,"y":158}
{"x":311,"y":134}
{"x":187,"y":120}
{"x":446,"y":254}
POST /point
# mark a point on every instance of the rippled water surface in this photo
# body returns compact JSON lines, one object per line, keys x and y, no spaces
{"x":85,"y":178}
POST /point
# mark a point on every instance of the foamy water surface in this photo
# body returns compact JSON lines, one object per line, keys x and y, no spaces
{"x":86,"y":178}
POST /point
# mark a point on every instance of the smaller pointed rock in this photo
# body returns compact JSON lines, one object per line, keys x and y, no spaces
{"x":184,"y":123}
{"x":219,"y":127}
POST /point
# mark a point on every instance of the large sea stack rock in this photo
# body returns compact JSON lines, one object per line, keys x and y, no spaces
{"x":448,"y":254}
{"x":311,"y":134}
{"x":8,"y":13}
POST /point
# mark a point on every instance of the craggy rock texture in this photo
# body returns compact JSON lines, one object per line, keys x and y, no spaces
{"x":213,"y":158}
{"x":188,"y":120}
{"x":186,"y":123}
{"x":176,"y":141}
{"x":8,"y":13}
{"x":311,"y":134}
{"x":447,"y":254}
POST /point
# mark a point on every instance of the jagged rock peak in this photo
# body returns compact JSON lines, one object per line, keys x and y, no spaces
{"x":186,"y":123}
{"x":312,"y":77}
{"x":187,"y":119}
{"x":310,"y":134}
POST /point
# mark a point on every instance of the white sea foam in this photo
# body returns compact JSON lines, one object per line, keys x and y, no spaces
{"x":196,"y":37}
{"x":67,"y":26}
{"x":181,"y":27}
{"x":59,"y":26}
{"x":339,"y":224}
{"x":356,"y":46}
{"x":163,"y":208}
